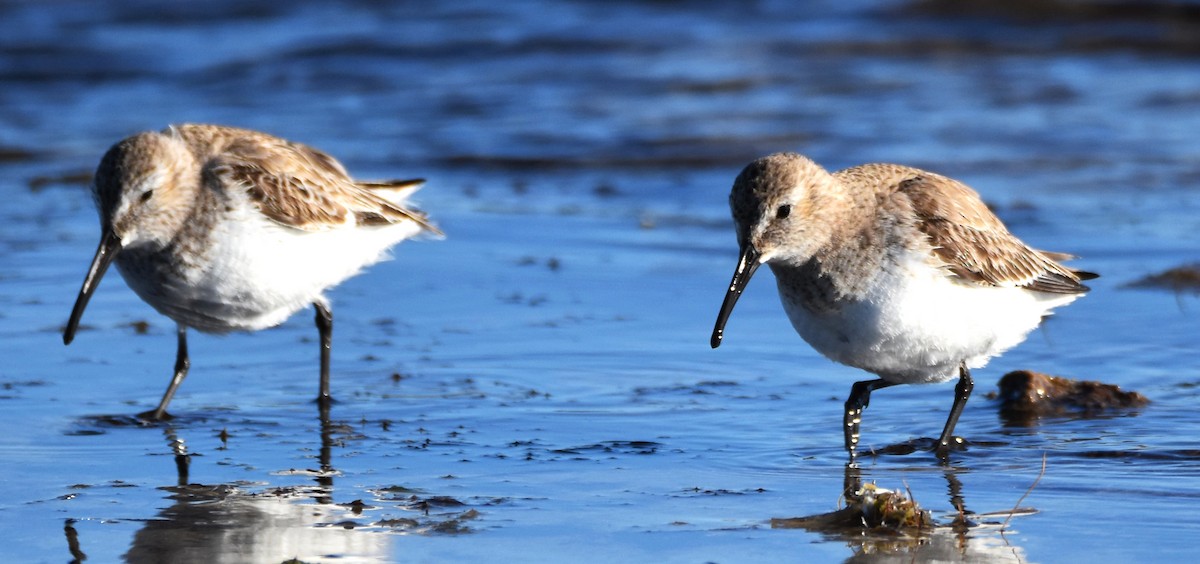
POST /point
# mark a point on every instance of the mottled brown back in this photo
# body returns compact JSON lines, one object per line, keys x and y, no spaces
{"x":972,"y":242}
{"x":293,"y":184}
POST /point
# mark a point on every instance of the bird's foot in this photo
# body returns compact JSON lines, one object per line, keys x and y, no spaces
{"x":154,"y":416}
{"x":926,"y":444}
{"x":943,"y":450}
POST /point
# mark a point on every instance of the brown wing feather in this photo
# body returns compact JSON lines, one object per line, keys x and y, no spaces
{"x":976,"y":246}
{"x":301,"y":187}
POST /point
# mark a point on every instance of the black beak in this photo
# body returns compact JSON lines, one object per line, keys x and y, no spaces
{"x":747,"y":264}
{"x":110,"y":245}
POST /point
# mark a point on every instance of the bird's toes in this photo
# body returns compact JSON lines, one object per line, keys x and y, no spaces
{"x":153,"y":416}
{"x":925,"y":444}
{"x":908,"y":447}
{"x":943,"y":450}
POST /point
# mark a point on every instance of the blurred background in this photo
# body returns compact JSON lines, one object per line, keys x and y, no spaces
{"x":539,"y":386}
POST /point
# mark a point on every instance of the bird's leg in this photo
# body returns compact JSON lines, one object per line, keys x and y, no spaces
{"x":182,"y":363}
{"x":852,"y":484}
{"x":860,"y":397}
{"x":962,"y":391}
{"x":325,"y":329}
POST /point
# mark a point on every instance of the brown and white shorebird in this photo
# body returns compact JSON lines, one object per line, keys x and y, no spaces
{"x":900,"y":272}
{"x":224,"y":229}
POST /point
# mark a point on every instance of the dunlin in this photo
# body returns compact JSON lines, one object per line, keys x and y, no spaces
{"x":224,"y":229}
{"x":900,"y":272}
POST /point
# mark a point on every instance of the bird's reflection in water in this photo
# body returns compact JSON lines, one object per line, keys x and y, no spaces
{"x":77,"y":554}
{"x":325,"y":457}
{"x":229,"y":523}
{"x":223,"y":523}
{"x":884,"y":526}
{"x":183,"y":460}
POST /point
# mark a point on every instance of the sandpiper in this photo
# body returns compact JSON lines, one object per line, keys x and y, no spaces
{"x":224,"y":229}
{"x":900,"y":272}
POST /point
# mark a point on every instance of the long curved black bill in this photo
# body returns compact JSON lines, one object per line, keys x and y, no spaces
{"x":747,"y":264}
{"x":110,"y":245}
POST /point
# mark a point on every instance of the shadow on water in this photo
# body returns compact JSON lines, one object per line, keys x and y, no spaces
{"x":881,"y":525}
{"x":231,"y":521}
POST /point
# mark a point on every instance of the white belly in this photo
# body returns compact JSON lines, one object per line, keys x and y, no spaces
{"x":917,"y":325}
{"x":255,"y":273}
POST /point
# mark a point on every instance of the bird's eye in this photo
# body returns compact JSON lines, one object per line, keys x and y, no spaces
{"x":783,"y":211}
{"x":145,"y":197}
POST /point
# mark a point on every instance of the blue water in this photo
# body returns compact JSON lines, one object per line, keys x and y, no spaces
{"x":539,"y":386}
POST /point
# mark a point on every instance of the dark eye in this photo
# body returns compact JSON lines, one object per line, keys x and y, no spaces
{"x":783,"y":211}
{"x":145,"y":197}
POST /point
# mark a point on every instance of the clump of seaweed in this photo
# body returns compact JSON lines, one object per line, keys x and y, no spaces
{"x":883,"y":508}
{"x":1026,"y":396}
{"x":1185,"y":278}
{"x":878,"y":521}
{"x":870,"y":509}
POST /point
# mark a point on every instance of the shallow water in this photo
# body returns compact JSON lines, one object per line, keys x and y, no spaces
{"x":539,"y":386}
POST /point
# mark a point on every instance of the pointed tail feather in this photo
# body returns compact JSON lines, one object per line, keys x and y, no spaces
{"x":1063,"y":257}
{"x":395,"y":193}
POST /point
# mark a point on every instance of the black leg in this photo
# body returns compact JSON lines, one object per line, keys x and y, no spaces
{"x":852,"y":483}
{"x":325,"y":329}
{"x":860,"y":398}
{"x":962,"y":391}
{"x":182,"y":363}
